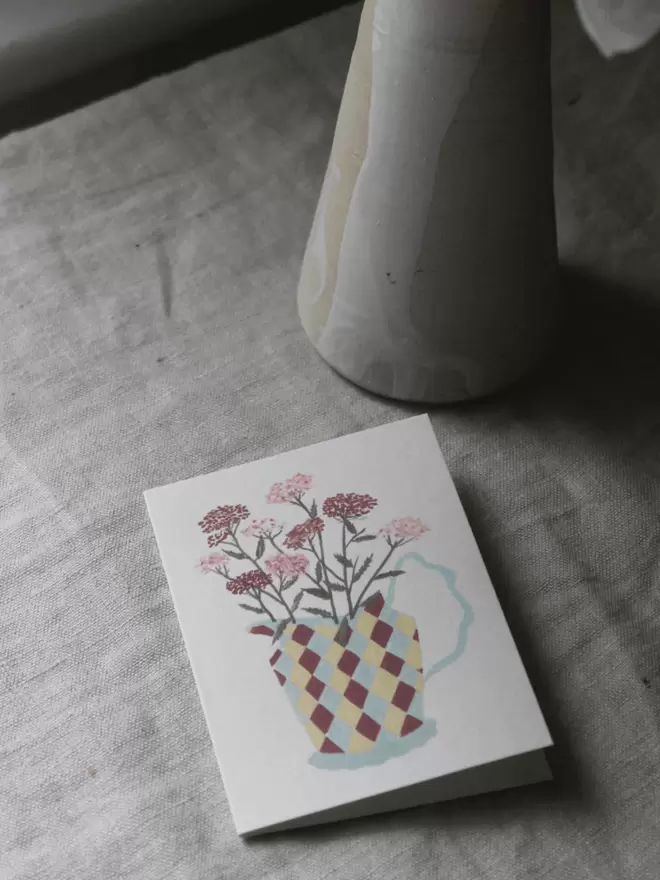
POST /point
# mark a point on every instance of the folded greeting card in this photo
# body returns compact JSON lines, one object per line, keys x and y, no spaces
{"x":349,"y":650}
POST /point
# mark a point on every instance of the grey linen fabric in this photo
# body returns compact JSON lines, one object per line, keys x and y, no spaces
{"x":149,"y":249}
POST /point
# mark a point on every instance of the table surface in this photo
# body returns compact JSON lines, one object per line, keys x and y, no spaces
{"x":150,"y":247}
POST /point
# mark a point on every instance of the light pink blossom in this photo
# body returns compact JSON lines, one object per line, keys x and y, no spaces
{"x":262,"y":528}
{"x":212,"y":562}
{"x":406,"y":528}
{"x":287,"y":566}
{"x":289,"y":490}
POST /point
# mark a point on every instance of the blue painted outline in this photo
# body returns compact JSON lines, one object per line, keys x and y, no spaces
{"x":468,"y":613}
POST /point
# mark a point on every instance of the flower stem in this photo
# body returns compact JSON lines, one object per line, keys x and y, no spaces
{"x":373,"y":577}
{"x":344,"y":550}
{"x":278,"y":595}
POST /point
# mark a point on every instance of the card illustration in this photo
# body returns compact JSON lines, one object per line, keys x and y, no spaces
{"x":350,"y":663}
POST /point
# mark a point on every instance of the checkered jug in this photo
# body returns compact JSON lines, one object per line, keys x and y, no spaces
{"x":358,"y":697}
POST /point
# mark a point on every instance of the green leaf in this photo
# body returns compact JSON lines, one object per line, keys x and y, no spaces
{"x":235,"y":554}
{"x":388,"y":574}
{"x":251,"y":608}
{"x":314,"y":511}
{"x":320,"y":612}
{"x":319,"y":572}
{"x":318,"y":593}
{"x":261,"y":546}
{"x":343,"y":560}
{"x":363,"y":538}
{"x":337,"y":588}
{"x":344,"y":633}
{"x":349,"y":525}
{"x":362,"y":569}
{"x":297,"y":601}
{"x":289,"y":583}
{"x":281,"y":626}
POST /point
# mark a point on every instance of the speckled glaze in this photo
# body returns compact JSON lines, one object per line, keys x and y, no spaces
{"x":430,"y":269}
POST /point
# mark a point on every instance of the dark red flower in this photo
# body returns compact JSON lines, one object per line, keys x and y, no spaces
{"x":249,"y":580}
{"x":222,"y":519}
{"x":304,"y":532}
{"x":348,"y":506}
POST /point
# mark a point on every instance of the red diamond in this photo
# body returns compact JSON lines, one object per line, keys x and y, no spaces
{"x":302,"y":634}
{"x":403,"y":696}
{"x":329,"y":748}
{"x":368,"y":727}
{"x":410,"y":723}
{"x":381,"y":633}
{"x":276,"y":656}
{"x":309,"y":660}
{"x":416,"y":636}
{"x":322,"y":718}
{"x":391,"y":663}
{"x":280,"y":677}
{"x":315,"y":687}
{"x":375,"y":605}
{"x":356,"y":694}
{"x":349,"y":662}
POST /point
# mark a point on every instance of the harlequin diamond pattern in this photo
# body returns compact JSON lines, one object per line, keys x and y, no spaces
{"x":349,"y":696}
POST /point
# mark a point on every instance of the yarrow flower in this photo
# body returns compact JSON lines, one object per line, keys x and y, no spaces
{"x":212,"y":562}
{"x":289,"y":490}
{"x":262,"y":528}
{"x":348,"y":506}
{"x":304,"y":532}
{"x":287,"y":566}
{"x":408,"y":527}
{"x":217,"y":523}
{"x":249,"y":580}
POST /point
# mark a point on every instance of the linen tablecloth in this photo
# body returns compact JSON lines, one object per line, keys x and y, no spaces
{"x":149,"y":251}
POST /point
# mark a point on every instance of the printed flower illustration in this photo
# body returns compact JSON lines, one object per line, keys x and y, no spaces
{"x":262,"y":528}
{"x":300,"y":534}
{"x":218,"y":523}
{"x":407,"y":528}
{"x":287,"y":566}
{"x":348,"y":506}
{"x":248,"y":581}
{"x":213,"y":561}
{"x":335,"y":558}
{"x":290,"y":490}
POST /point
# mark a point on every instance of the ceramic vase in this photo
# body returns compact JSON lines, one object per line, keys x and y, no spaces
{"x":430,"y":270}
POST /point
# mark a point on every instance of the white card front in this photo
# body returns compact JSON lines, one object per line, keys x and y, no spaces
{"x":342,"y":628}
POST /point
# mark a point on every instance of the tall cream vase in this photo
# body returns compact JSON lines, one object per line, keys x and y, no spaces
{"x":429,"y":274}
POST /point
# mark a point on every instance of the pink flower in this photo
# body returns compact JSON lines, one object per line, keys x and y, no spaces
{"x":348,"y":506}
{"x":304,"y":532}
{"x":212,"y":562}
{"x":289,"y":490}
{"x":287,"y":566}
{"x":262,"y":528}
{"x":221,"y":519}
{"x":249,"y":580}
{"x":407,"y":528}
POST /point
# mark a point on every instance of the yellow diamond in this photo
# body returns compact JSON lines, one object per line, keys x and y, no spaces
{"x":419,"y":684}
{"x":365,"y":624}
{"x":414,"y":655}
{"x":348,"y":713}
{"x":339,"y":681}
{"x":394,"y":720}
{"x":300,"y":677}
{"x":317,"y":736}
{"x":406,"y":624}
{"x":334,"y":654}
{"x":384,"y":685}
{"x":373,"y":654}
{"x":359,"y":743}
{"x":294,"y":650}
{"x":306,"y":703}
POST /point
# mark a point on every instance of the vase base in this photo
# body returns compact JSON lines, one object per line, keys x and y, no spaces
{"x":388,"y":746}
